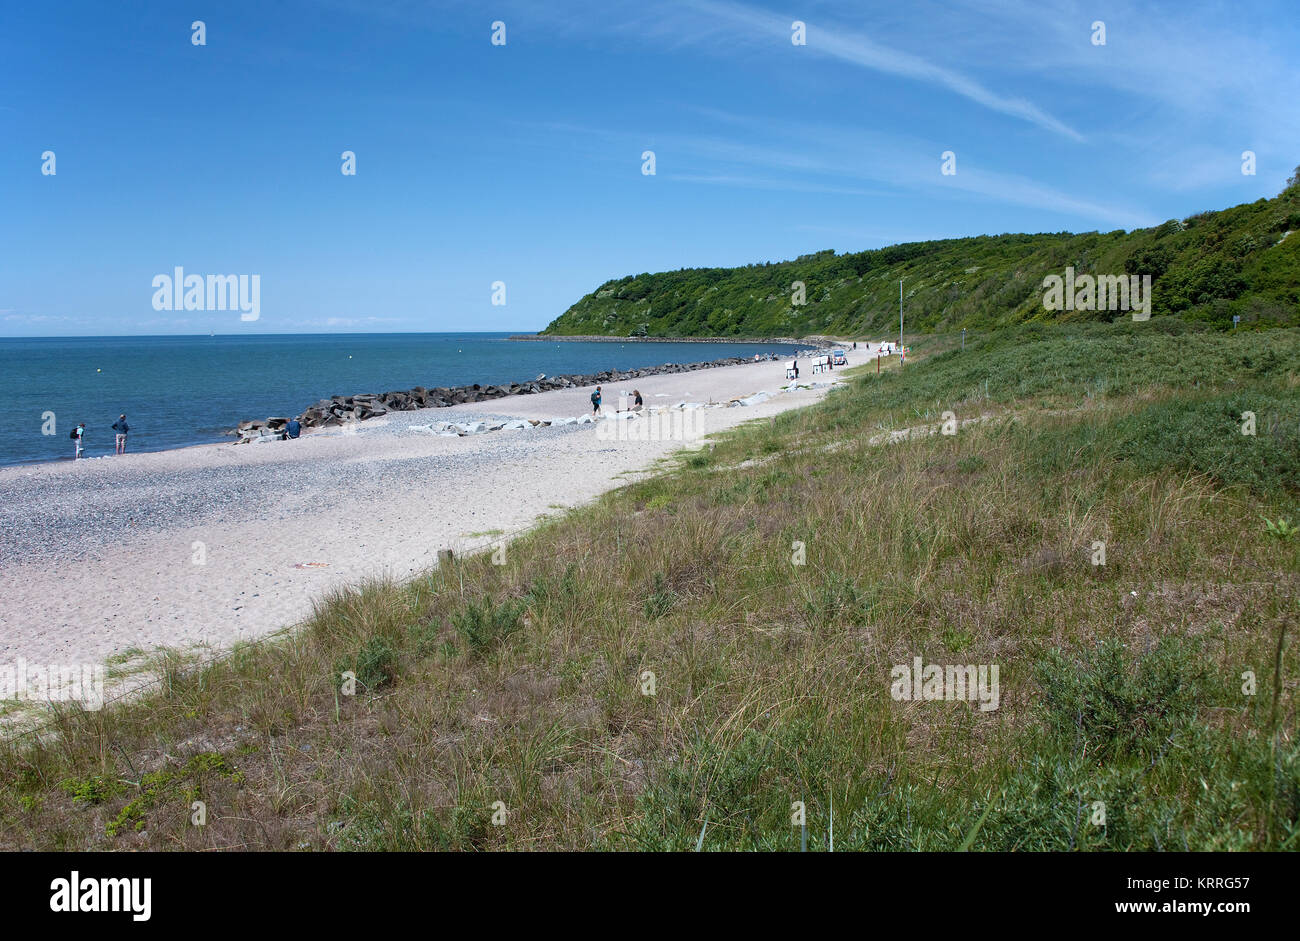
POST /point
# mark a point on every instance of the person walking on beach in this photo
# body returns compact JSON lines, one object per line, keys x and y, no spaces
{"x":595,"y":401}
{"x":77,"y":434}
{"x":120,"y":426}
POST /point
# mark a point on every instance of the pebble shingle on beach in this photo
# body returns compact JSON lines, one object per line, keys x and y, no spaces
{"x":99,"y":555}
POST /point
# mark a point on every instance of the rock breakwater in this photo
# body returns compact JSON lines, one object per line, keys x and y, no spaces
{"x":345,"y":409}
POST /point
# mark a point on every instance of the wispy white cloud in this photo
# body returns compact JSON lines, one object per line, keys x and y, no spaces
{"x":1171,"y":71}
{"x":42,"y":318}
{"x":1175,"y":78}
{"x":839,"y":159}
{"x":764,"y":183}
{"x":833,"y":40}
{"x":725,"y":24}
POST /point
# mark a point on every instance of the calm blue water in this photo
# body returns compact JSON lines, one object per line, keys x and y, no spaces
{"x":179,"y":391}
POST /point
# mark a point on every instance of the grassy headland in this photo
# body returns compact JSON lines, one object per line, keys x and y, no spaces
{"x":1160,"y":684}
{"x":1205,"y":268}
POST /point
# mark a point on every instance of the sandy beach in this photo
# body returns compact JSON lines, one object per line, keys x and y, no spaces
{"x":205,"y":546}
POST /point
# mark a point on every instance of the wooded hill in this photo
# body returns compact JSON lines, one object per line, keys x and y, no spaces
{"x":1207,"y":267}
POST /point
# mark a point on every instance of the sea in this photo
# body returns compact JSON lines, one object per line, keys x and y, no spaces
{"x":184,"y":390}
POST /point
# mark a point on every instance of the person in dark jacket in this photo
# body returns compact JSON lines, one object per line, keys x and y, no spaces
{"x":293,"y":429}
{"x":121,"y":427}
{"x":595,"y":401}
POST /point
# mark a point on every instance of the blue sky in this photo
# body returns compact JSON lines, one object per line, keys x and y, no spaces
{"x":522,"y":163}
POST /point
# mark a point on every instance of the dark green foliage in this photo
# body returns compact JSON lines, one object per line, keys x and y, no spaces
{"x":383,"y":825}
{"x":1205,"y":436}
{"x":1076,"y":362}
{"x":659,"y":601}
{"x":1105,"y":706}
{"x":482,"y":624}
{"x":744,"y":790}
{"x":1205,"y":268}
{"x":375,"y":664}
{"x":1118,"y":727}
{"x":1198,"y":430}
{"x":836,"y":601}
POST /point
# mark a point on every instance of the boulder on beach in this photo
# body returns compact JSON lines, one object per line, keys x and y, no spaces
{"x":339,"y":409}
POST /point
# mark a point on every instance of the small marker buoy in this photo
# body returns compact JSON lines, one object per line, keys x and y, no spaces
{"x":99,"y":370}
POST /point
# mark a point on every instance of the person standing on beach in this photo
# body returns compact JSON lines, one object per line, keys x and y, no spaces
{"x":595,"y":401}
{"x":77,"y":434}
{"x":120,"y":426}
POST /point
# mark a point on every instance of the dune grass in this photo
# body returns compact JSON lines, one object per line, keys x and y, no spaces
{"x":677,"y":665}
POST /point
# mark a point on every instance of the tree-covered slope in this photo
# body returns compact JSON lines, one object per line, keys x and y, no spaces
{"x":1206,"y":267}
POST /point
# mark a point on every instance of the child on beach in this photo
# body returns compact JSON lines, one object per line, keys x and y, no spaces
{"x":121,"y":427}
{"x":595,"y":401}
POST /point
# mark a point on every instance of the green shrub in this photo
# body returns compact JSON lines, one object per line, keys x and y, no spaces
{"x":483,"y":624}
{"x":94,"y":789}
{"x":1204,"y":435}
{"x":660,"y":600}
{"x":1110,"y":706}
{"x":375,"y":664}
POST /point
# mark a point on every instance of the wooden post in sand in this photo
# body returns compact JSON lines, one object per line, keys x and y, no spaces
{"x":445,"y":557}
